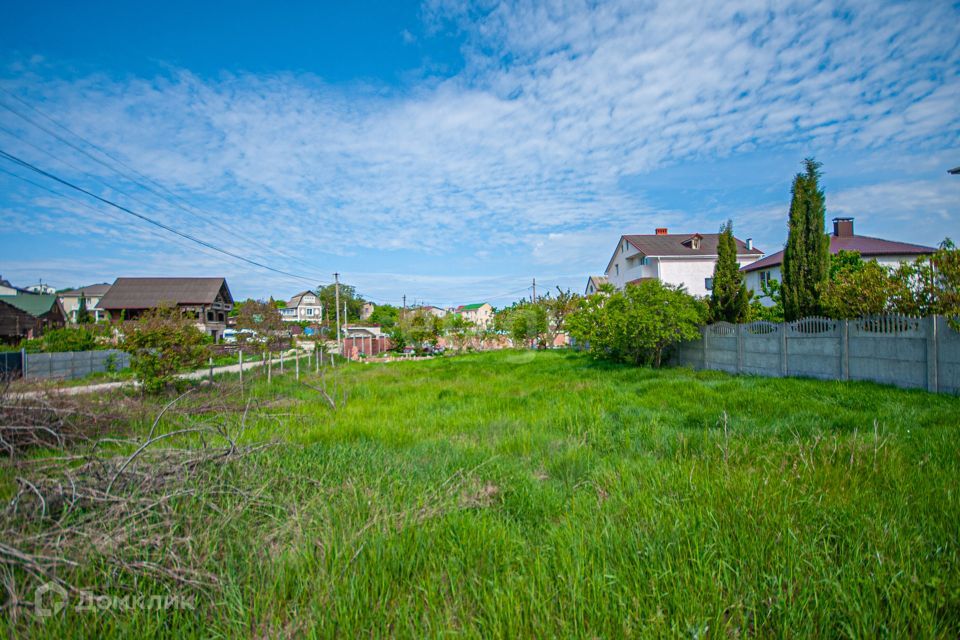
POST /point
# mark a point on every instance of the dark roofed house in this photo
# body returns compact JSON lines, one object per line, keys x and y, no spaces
{"x":207,"y":299}
{"x":889,"y":253}
{"x":28,"y":316}
{"x":685,"y":259}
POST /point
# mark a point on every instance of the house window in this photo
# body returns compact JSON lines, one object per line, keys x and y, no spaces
{"x":644,"y":261}
{"x":696,"y":243}
{"x":309,"y":312}
{"x":708,"y":283}
{"x":764,"y":278}
{"x":617,"y":268}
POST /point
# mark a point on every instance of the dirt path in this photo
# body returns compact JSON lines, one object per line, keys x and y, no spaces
{"x":199,"y":374}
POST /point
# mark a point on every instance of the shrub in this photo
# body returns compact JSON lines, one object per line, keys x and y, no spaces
{"x":81,"y":338}
{"x":639,"y":324}
{"x":161,"y":343}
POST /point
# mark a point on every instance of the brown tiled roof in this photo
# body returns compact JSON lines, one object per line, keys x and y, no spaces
{"x":677,"y":244}
{"x":598,"y":280}
{"x":147,"y":293}
{"x":866,"y":246}
{"x":91,"y":291}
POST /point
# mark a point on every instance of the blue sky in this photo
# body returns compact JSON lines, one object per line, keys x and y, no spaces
{"x":451,"y":152}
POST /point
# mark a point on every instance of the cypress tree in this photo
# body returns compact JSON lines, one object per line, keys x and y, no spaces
{"x":806,"y":258}
{"x":729,"y":299}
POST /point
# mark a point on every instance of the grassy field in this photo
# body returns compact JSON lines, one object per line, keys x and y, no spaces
{"x":522,"y":494}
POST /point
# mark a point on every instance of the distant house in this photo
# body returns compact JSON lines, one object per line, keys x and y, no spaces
{"x":41,"y":287}
{"x":673,"y":258}
{"x":90,"y":295}
{"x":434,"y":311}
{"x":367,"y":310}
{"x":479,"y":313}
{"x":7,"y":289}
{"x":206,"y":299}
{"x":593,"y":284}
{"x":303,"y":307}
{"x":886,"y":252}
{"x":28,"y":316}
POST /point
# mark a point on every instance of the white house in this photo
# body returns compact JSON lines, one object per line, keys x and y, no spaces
{"x":593,"y":284}
{"x":90,"y":295}
{"x":673,"y":258}
{"x":888,"y":253}
{"x":479,"y":313}
{"x":303,"y":307}
{"x":434,"y":311}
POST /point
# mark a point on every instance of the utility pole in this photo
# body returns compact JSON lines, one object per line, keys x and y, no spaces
{"x":534,"y":291}
{"x":336,"y":278}
{"x":404,"y":312}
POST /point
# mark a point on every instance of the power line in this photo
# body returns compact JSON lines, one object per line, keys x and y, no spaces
{"x":173,"y":199}
{"x":27,"y":165}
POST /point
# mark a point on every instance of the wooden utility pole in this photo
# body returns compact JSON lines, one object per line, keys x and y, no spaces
{"x":336,"y":278}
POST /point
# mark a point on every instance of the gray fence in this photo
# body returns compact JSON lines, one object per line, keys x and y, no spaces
{"x":897,"y":350}
{"x":73,"y":364}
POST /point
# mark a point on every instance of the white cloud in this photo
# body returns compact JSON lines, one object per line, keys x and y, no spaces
{"x":523,"y":155}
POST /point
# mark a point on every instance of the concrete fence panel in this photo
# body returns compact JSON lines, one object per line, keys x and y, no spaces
{"x":73,"y":364}
{"x":890,"y":349}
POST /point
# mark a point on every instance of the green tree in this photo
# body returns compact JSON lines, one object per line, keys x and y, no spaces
{"x":637,"y":325}
{"x":930,"y":284}
{"x":806,"y":257}
{"x":83,"y":314}
{"x":729,"y":299}
{"x":772,"y":313}
{"x":161,"y":343}
{"x":418,"y":328}
{"x":558,"y":308}
{"x":348,"y":295}
{"x":264,"y":319}
{"x":458,"y":329}
{"x":855,"y":288}
{"x":385,"y":315}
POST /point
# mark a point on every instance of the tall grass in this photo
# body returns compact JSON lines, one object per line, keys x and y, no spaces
{"x":546,"y":495}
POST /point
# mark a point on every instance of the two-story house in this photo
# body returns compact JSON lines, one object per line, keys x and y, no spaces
{"x":208,"y":300}
{"x":479,"y":313}
{"x":684,"y":259}
{"x":303,"y":307}
{"x":888,"y":253}
{"x":89,"y":296}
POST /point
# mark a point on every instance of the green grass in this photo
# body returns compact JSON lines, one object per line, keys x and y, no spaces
{"x":544,"y":495}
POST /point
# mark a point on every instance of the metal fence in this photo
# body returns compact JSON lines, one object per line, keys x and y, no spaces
{"x":891,"y":349}
{"x":73,"y":364}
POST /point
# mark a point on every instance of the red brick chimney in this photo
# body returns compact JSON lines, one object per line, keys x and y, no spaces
{"x":843,"y":227}
{"x":661,"y":231}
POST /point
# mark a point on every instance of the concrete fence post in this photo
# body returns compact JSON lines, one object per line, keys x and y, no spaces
{"x":784,"y":365}
{"x":297,"y":366}
{"x":23,"y":362}
{"x":241,"y":367}
{"x":844,"y":349}
{"x":211,"y":369}
{"x":933,"y":372}
{"x":706,"y":346}
{"x":281,"y":362}
{"x":739,"y":348}
{"x":269,"y":367}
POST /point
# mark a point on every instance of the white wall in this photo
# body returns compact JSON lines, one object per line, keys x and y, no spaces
{"x":753,"y":278}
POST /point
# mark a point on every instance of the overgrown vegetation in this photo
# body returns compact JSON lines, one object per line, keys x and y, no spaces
{"x":536,"y":494}
{"x":162,"y":343}
{"x":84,"y":337}
{"x":637,"y":325}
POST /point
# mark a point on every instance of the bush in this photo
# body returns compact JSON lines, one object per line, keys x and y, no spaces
{"x":639,"y":324}
{"x":161,"y":343}
{"x":82,"y":338}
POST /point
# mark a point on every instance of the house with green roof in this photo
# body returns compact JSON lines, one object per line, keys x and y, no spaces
{"x":28,"y":316}
{"x":479,"y":313}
